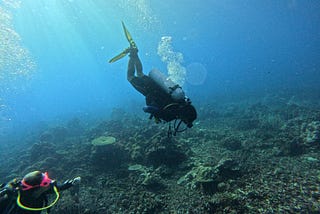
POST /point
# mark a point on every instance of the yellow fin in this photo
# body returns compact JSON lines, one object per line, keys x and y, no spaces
{"x":119,"y":56}
{"x":128,"y":36}
{"x":126,"y":51}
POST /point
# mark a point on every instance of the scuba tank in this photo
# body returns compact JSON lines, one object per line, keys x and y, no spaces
{"x":167,"y":85}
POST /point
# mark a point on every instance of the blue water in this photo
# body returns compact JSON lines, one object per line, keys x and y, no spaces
{"x":246,"y":47}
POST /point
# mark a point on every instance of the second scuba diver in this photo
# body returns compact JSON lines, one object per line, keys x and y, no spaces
{"x":30,"y":195}
{"x":165,"y":100}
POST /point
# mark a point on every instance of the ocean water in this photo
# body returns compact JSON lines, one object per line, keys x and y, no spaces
{"x":54,"y":56}
{"x":54,"y":53}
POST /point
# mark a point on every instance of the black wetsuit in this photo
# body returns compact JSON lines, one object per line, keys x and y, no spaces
{"x":169,"y":109}
{"x":8,"y":199}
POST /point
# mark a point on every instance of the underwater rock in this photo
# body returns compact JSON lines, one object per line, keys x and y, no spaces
{"x":298,"y":137}
{"x":106,"y":153}
{"x":113,"y":128}
{"x":152,"y":180}
{"x":245,"y":124}
{"x":232,"y":143}
{"x":228,"y":168}
{"x":51,"y":164}
{"x":222,"y":187}
{"x":165,"y":171}
{"x":118,"y":114}
{"x":48,"y":163}
{"x":103,"y":141}
{"x":293,"y":148}
{"x":136,"y":167}
{"x":148,"y":178}
{"x":164,"y":151}
{"x":165,"y":155}
{"x":59,"y":133}
{"x":204,"y":178}
{"x":208,"y":178}
{"x":42,"y":150}
{"x":74,"y":127}
{"x":311,"y":159}
{"x":311,"y":133}
{"x":229,"y":201}
{"x":46,"y":137}
{"x":137,"y":153}
{"x":56,"y":135}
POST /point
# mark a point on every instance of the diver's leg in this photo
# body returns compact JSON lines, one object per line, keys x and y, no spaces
{"x":138,"y":65}
{"x":131,"y":69}
{"x":134,"y":65}
{"x":137,"y":81}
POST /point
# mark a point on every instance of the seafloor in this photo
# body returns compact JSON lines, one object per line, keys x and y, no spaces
{"x":257,"y":156}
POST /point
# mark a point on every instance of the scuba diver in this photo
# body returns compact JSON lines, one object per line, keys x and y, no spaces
{"x":29,"y":195}
{"x":165,"y":100}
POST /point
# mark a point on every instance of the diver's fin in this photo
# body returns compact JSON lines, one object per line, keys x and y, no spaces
{"x":129,"y":37}
{"x":126,"y":51}
{"x":119,"y":56}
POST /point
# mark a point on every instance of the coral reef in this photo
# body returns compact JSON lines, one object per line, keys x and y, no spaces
{"x":311,"y":133}
{"x":210,"y":178}
{"x":106,"y":153}
{"x":253,"y":157}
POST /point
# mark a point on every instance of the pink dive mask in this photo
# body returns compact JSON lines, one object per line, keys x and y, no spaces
{"x":44,"y":183}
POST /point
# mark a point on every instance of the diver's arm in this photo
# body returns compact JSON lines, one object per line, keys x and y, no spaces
{"x":6,"y":194}
{"x":67,"y":184}
{"x":3,"y":198}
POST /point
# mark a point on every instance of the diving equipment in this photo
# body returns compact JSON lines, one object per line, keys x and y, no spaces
{"x":129,"y":37}
{"x":167,"y":85}
{"x":35,"y":179}
{"x":119,"y":56}
{"x":151,"y":109}
{"x":38,"y":208}
{"x":127,"y":50}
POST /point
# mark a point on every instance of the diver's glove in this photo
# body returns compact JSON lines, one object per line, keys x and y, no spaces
{"x":9,"y":188}
{"x":71,"y":182}
{"x":76,"y":181}
{"x":3,"y":192}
